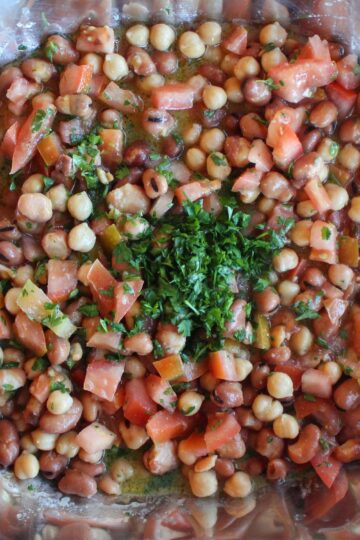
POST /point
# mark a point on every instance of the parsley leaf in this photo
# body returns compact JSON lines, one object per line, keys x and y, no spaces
{"x":89,"y":310}
{"x":37,"y":122}
{"x":304,"y":310}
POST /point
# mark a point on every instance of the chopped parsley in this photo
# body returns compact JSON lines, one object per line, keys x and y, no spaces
{"x":58,"y":385}
{"x":89,"y":310}
{"x":55,"y":317}
{"x":356,"y":69}
{"x":271,"y":84}
{"x":217,"y":159}
{"x":333,"y":149}
{"x":309,"y":397}
{"x":48,"y":182}
{"x":325,"y":233}
{"x":40,"y":364}
{"x":22,"y":47}
{"x":84,"y":158}
{"x":322,"y":342}
{"x":8,"y":387}
{"x":208,"y":113}
{"x":268,"y":47}
{"x":261,"y":284}
{"x":38,"y":120}
{"x":304,"y":310}
{"x":122,"y":172}
{"x":51,"y":49}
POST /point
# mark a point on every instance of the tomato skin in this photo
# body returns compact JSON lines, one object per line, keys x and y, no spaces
{"x":326,"y":467}
{"x":173,"y":97}
{"x":101,"y":280}
{"x":125,"y":300}
{"x":318,"y":196}
{"x":103,"y":377}
{"x":288,"y":149}
{"x":346,"y":72}
{"x":323,"y":236}
{"x":95,"y":438}
{"x":321,"y":501}
{"x":9,"y":141}
{"x":294,"y":372}
{"x":221,"y":429}
{"x":193,"y":371}
{"x":236,"y":41}
{"x":165,"y":426}
{"x":40,"y":387}
{"x":30,"y":334}
{"x":195,"y":444}
{"x":260,"y":155}
{"x":161,"y":392}
{"x":75,"y":79}
{"x":170,"y":368}
{"x":138,"y":406}
{"x":62,"y":279}
{"x":248,"y":180}
{"x":342,"y":98}
{"x":196,"y":190}
{"x":111,"y":147}
{"x":50,"y":149}
{"x":109,"y":341}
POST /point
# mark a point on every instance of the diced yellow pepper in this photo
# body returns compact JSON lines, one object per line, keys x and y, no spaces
{"x":262,"y":332}
{"x":111,"y":237}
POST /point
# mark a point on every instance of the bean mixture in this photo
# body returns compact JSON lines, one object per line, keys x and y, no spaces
{"x":179,"y":259}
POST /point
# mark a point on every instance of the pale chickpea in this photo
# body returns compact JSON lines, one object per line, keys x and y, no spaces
{"x":273,"y":33}
{"x":197,"y":83}
{"x":26,"y":466}
{"x":191,"y":45}
{"x":213,"y":54}
{"x":49,"y":532}
{"x":212,"y":140}
{"x":338,"y":196}
{"x":66,"y":445}
{"x":265,"y":205}
{"x":228,"y":63}
{"x":217,"y":166}
{"x":11,"y":299}
{"x":146,"y":84}
{"x":80,"y":206}
{"x":23,"y":273}
{"x":121,"y":470}
{"x":189,"y":402}
{"x":306,"y":209}
{"x":271,"y":59}
{"x":43,"y":440}
{"x":170,"y":339}
{"x":138,"y":35}
{"x":59,"y":402}
{"x":133,"y":436}
{"x":214,"y":97}
{"x":300,"y":233}
{"x":341,"y":275}
{"x":328,"y":149}
{"x":287,"y":259}
{"x":81,"y":238}
{"x":301,"y":341}
{"x":76,"y":351}
{"x":349,"y":157}
{"x":191,"y":134}
{"x":232,"y":87}
{"x":94,"y":60}
{"x":93,"y":457}
{"x":195,"y":159}
{"x":246,"y":67}
{"x":135,"y":227}
{"x":265,"y":408}
{"x":36,"y":207}
{"x":83,"y":271}
{"x":203,"y":484}
{"x":115,"y":67}
{"x":108,"y":485}
{"x":286,"y":427}
{"x":162,"y":36}
{"x":27,"y":444}
{"x":354,"y":212}
{"x":210,"y":32}
{"x":280,"y":385}
{"x":58,"y":196}
{"x":333,"y":371}
{"x":33,"y":184}
{"x":249,"y":196}
{"x":134,"y":368}
{"x":238,"y":485}
{"x":208,"y":381}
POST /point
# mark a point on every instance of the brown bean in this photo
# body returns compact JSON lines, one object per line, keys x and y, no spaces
{"x":38,"y":70}
{"x":305,"y":448}
{"x":224,"y":467}
{"x":268,"y":444}
{"x":249,"y":394}
{"x":257,"y":92}
{"x":231,"y":124}
{"x":91,"y":469}
{"x":61,"y":423}
{"x":75,"y":531}
{"x":277,"y":355}
{"x":235,"y":449}
{"x":352,"y":420}
{"x":63,"y":50}
{"x":213,"y":74}
{"x":58,"y":348}
{"x":52,"y":464}
{"x":237,"y":151}
{"x":32,"y":411}
{"x":77,"y":104}
{"x":350,"y":131}
{"x":313,"y":277}
{"x":323,"y":114}
{"x":252,"y":127}
{"x":111,"y":118}
{"x":337,"y":50}
{"x":267,"y":300}
{"x":8,"y":231}
{"x":307,"y":167}
{"x":209,"y":118}
{"x":259,"y":375}
{"x":10,"y":254}
{"x":133,"y":177}
{"x":171,"y":146}
{"x":9,"y":443}
{"x":347,"y":395}
{"x":140,"y":62}
{"x":275,"y":186}
{"x":277,"y":469}
{"x":157,"y":122}
{"x":254,"y":466}
{"x":348,"y":452}
{"x":228,"y":395}
{"x":77,"y":483}
{"x":166,"y":62}
{"x":311,"y":139}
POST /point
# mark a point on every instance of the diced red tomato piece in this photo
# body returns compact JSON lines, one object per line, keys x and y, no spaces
{"x":164,"y":426}
{"x":97,"y":85}
{"x":90,"y":324}
{"x":40,"y":387}
{"x":111,"y":146}
{"x":288,"y":148}
{"x":111,"y":407}
{"x":323,"y":236}
{"x":30,"y":334}
{"x":326,"y":467}
{"x":103,"y":377}
{"x":323,"y":255}
{"x":239,"y":318}
{"x":193,"y":371}
{"x":293,"y":371}
{"x":318,"y":195}
{"x":121,"y":99}
{"x":223,"y":365}
{"x":138,"y":406}
{"x":335,"y":308}
{"x":260,"y":155}
{"x":195,"y":444}
{"x":196,"y":190}
{"x":108,"y":341}
{"x":248,"y":180}
{"x":75,"y":79}
{"x":173,"y":97}
{"x":9,"y":141}
{"x":21,"y":90}
{"x":161,"y":392}
{"x":98,"y":39}
{"x":5,"y":325}
{"x":62,"y":279}
{"x":342,"y":98}
{"x":50,"y":149}
{"x":320,"y":502}
{"x":236,"y":41}
{"x":348,"y":72}
{"x":102,"y":286}
{"x":221,"y":429}
{"x":315,"y":49}
{"x":284,"y":116}
{"x":170,"y":368}
{"x":95,"y":438}
{"x":280,"y":211}
{"x":126,"y":294}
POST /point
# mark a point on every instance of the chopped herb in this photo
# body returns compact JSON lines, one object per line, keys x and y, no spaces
{"x":270,"y":439}
{"x":158,"y":351}
{"x":122,"y":172}
{"x":188,"y":411}
{"x":9,"y":365}
{"x":325,"y":233}
{"x":84,"y":158}
{"x":59,"y":385}
{"x":102,"y":326}
{"x":309,"y":397}
{"x":208,"y":113}
{"x":333,"y":179}
{"x":333,"y":149}
{"x":40,"y":364}
{"x":325,"y":446}
{"x":37,"y":122}
{"x":51,"y":49}
{"x":268,"y":47}
{"x":322,"y":342}
{"x":154,"y":157}
{"x":177,"y":138}
{"x":348,"y":370}
{"x":8,"y":387}
{"x":30,"y":487}
{"x":344,"y":333}
{"x":44,"y":20}
{"x":261,"y":284}
{"x":89,"y":310}
{"x":128,"y":289}
{"x":219,"y":160}
{"x":127,"y":102}
{"x":260,"y":120}
{"x":240,"y":335}
{"x":270,"y":83}
{"x":39,"y":270}
{"x":48,"y":182}
{"x":356,"y":69}
{"x":73,"y":294}
{"x":55,"y":317}
{"x":304,"y":311}
{"x":22,"y":48}
{"x":115,"y":357}
{"x":70,"y":363}
{"x":107,"y":292}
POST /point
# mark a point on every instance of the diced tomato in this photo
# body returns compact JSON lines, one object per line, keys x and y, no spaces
{"x":348,"y":72}
{"x":315,"y":49}
{"x":306,"y":406}
{"x":108,"y":341}
{"x":331,"y":292}
{"x":193,"y":371}
{"x":343,"y":99}
{"x":248,"y":180}
{"x":323,"y":410}
{"x":102,"y":286}
{"x":260,"y":155}
{"x":50,"y":149}
{"x":9,"y":141}
{"x":335,"y":308}
{"x":287,"y":149}
{"x":90,"y":324}
{"x":322,"y":255}
{"x":40,"y":387}
{"x":326,"y":467}
{"x":75,"y":79}
{"x":356,"y":332}
{"x":221,"y":429}
{"x":138,"y":406}
{"x":280,"y":211}
{"x":236,"y":41}
{"x":111,"y":146}
{"x":126,"y":294}
{"x":170,"y":368}
{"x":31,"y":132}
{"x":284,"y":116}
{"x":196,"y":190}
{"x":316,"y":383}
{"x":320,"y":502}
{"x":30,"y":334}
{"x":121,"y":99}
{"x":5,"y":325}
{"x":102,"y":378}
{"x":161,"y":392}
{"x":62,"y":279}
{"x":323,"y":236}
{"x":98,"y":39}
{"x":164,"y":426}
{"x":111,"y":407}
{"x":173,"y":97}
{"x":95,"y":438}
{"x":195,"y":444}
{"x":97,"y":85}
{"x":318,"y":195}
{"x":223,"y":365}
{"x":239,"y":318}
{"x":293,"y":371}
{"x":21,"y":90}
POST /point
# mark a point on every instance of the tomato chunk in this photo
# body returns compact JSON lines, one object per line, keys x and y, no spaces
{"x":342,"y":98}
{"x":95,"y":438}
{"x":102,"y":378}
{"x":102,"y":286}
{"x":75,"y":79}
{"x":173,"y":97}
{"x":138,"y":406}
{"x":50,"y":149}
{"x":9,"y":141}
{"x":108,"y":341}
{"x":326,"y":467}
{"x":196,"y":190}
{"x":62,"y":279}
{"x":161,"y":392}
{"x":221,"y":429}
{"x":223,"y":365}
{"x":323,"y":236}
{"x":164,"y":426}
{"x":320,"y":502}
{"x":318,"y":195}
{"x":30,"y":334}
{"x":170,"y":368}
{"x":126,"y":294}
{"x":248,"y":180}
{"x":236,"y":41}
{"x":111,"y":146}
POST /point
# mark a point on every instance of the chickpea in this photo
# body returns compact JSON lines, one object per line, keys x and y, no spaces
{"x":212,"y":140}
{"x":189,"y":402}
{"x":43,"y":440}
{"x":115,"y":67}
{"x":354,"y":212}
{"x":338,"y":196}
{"x":121,"y":470}
{"x":265,"y":408}
{"x":197,"y":83}
{"x":280,"y":385}
{"x":49,"y":532}
{"x":248,"y":196}
{"x":328,"y":149}
{"x":195,"y":159}
{"x":213,"y":55}
{"x":238,"y":485}
{"x":170,"y":338}
{"x":54,"y":244}
{"x":332,"y":370}
{"x":191,"y":134}
{"x":203,"y":484}
{"x":134,"y":368}
{"x":265,"y":205}
{"x":59,"y":402}
{"x":36,"y":207}
{"x":217,"y":166}
{"x":108,"y":485}
{"x":81,"y":238}
{"x":134,"y":436}
{"x":23,"y":273}
{"x":33,"y":184}
{"x":228,"y":63}
{"x":306,"y":209}
{"x":210,"y":32}
{"x":301,"y":341}
{"x":191,"y":45}
{"x":146,"y":84}
{"x":10,"y":300}
{"x":214,"y":97}
{"x":76,"y":352}
{"x":66,"y":445}
{"x":349,"y":157}
{"x":27,"y":444}
{"x":26,"y":466}
{"x":58,"y":196}
{"x":267,"y":300}
{"x":300,"y":233}
{"x":286,"y":260}
{"x":286,"y":427}
{"x":341,"y":275}
{"x":246,"y":67}
{"x":94,"y":60}
{"x":273,"y":33}
{"x":272,"y":59}
{"x":232,"y":87}
{"x":80,"y":206}
{"x":138,"y":35}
